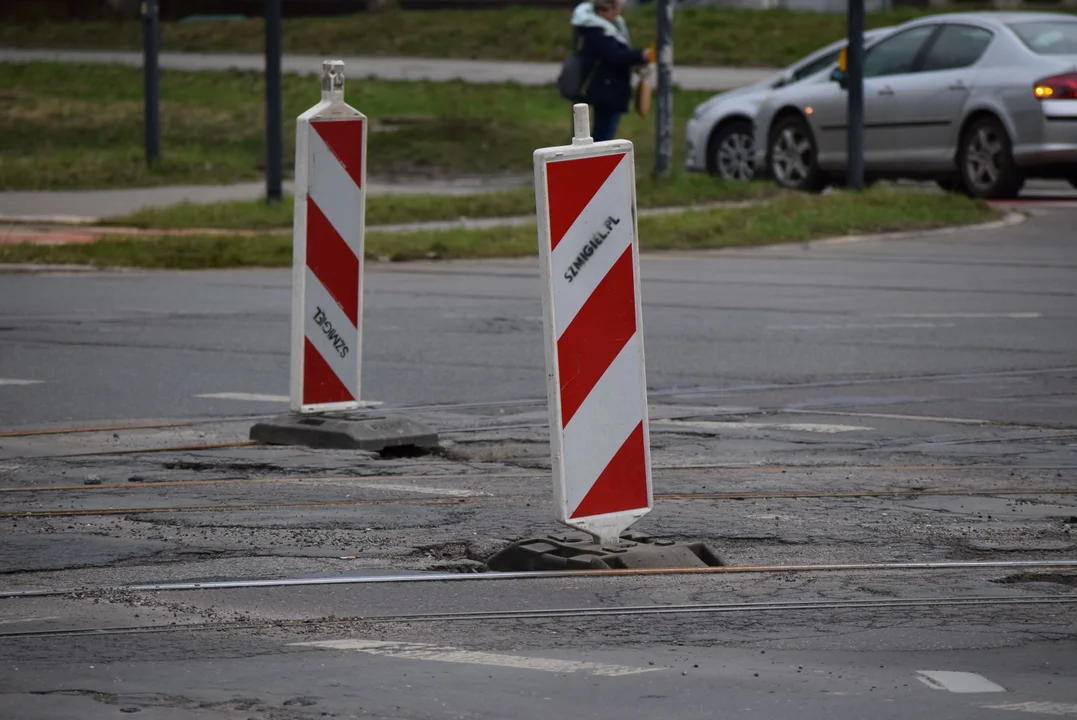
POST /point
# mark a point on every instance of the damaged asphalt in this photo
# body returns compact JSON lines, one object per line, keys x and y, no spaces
{"x":907,"y":401}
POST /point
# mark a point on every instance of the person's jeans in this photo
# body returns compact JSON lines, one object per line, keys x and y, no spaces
{"x":605,"y":125}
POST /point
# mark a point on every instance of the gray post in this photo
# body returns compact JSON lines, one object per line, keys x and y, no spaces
{"x":663,"y":157}
{"x":151,"y":89}
{"x":855,"y":158}
{"x":274,"y":109}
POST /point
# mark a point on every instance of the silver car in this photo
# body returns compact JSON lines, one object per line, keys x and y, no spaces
{"x":976,"y":101}
{"x":719,"y":134}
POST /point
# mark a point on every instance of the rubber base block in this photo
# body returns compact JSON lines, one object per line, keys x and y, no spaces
{"x":578,"y":551}
{"x":344,"y":432}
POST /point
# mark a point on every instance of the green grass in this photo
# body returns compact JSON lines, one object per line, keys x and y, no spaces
{"x":680,"y":189}
{"x":704,"y":36}
{"x":69,"y":126}
{"x":787,"y":218}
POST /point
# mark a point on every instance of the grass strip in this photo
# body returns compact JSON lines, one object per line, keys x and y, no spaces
{"x":704,"y":35}
{"x":71,"y":126}
{"x":788,"y":218}
{"x":392,"y":209}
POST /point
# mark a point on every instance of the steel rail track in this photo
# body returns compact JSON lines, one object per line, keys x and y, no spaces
{"x":552,"y":613}
{"x":669,"y":470}
{"x":491,"y":499}
{"x":440,"y":577}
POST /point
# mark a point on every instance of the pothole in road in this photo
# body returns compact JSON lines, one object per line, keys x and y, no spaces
{"x":461,"y":557}
{"x":1068,"y":579}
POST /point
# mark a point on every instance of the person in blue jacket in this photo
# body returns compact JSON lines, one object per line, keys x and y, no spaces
{"x":600,"y":35}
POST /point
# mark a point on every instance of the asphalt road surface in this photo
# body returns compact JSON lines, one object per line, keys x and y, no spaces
{"x":881,"y":403}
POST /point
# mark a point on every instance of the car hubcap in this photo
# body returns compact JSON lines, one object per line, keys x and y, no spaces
{"x":735,"y":157}
{"x":983,"y":158}
{"x":791,"y":157}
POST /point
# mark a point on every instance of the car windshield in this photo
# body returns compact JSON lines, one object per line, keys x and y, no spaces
{"x":1048,"y":38}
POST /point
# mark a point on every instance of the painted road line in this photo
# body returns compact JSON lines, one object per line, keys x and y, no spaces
{"x":715,"y":425}
{"x":890,"y":416}
{"x":435,"y":653}
{"x":16,"y":381}
{"x":245,"y":397}
{"x":1040,"y":708}
{"x":422,"y":489}
{"x":863,"y":326}
{"x":957,"y":682}
{"x":261,"y":397}
{"x":26,"y":620}
{"x":965,"y":316}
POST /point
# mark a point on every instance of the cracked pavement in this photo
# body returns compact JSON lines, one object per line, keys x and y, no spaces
{"x":899,"y":401}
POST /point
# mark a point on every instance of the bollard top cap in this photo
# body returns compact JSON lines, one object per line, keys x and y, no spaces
{"x":333,"y":76}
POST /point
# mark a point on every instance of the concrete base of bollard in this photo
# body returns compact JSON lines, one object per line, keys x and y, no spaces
{"x":340,"y":431}
{"x":579,"y":551}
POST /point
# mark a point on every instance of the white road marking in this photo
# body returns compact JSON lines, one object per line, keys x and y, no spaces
{"x":416,"y":651}
{"x":250,"y":397}
{"x":259,"y":397}
{"x":16,"y":381}
{"x":957,"y":682}
{"x":966,"y":316}
{"x":1042,"y":708}
{"x":888,"y":416}
{"x":862,"y":326}
{"x":423,"y":489}
{"x":26,"y":620}
{"x":712,"y":425}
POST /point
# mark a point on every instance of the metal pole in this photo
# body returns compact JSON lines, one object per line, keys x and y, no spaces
{"x":274,"y":109}
{"x":151,"y":89}
{"x":663,"y":158}
{"x":855,"y":159}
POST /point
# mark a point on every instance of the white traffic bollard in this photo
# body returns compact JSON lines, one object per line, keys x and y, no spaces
{"x":327,"y":288}
{"x":327,"y":261}
{"x":596,"y":381}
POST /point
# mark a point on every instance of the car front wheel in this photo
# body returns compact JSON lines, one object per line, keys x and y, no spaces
{"x":985,"y":161}
{"x":791,"y":156}
{"x":731,"y":149}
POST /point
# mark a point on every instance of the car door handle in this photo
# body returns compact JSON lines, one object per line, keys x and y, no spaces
{"x":886,"y":90}
{"x":958,"y":86}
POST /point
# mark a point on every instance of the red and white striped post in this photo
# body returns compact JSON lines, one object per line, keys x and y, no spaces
{"x":596,"y":381}
{"x":327,"y":257}
{"x":327,"y":288}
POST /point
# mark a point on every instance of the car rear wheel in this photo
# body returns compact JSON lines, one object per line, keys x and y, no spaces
{"x":791,"y":156}
{"x":731,"y":151}
{"x":985,"y":161}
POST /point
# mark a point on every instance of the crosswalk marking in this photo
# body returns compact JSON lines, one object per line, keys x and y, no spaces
{"x":416,"y":651}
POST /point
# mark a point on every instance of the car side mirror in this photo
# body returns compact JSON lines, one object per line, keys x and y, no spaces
{"x":840,"y":77}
